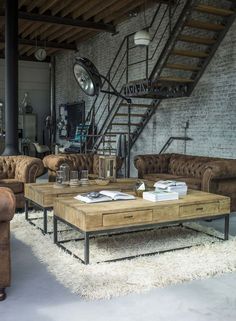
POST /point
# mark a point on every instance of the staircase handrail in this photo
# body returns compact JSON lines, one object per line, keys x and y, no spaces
{"x":170,"y":42}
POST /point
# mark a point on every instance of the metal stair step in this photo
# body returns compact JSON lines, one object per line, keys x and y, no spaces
{"x":103,"y":149}
{"x":125,"y":124}
{"x":204,"y":25}
{"x":182,"y":67}
{"x":214,"y":10}
{"x":199,"y":40}
{"x":175,"y":79}
{"x":189,"y":53}
{"x":137,"y":105}
{"x":132,"y":115}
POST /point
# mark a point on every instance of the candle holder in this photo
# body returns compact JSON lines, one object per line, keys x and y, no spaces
{"x":107,"y":167}
{"x":65,"y":168}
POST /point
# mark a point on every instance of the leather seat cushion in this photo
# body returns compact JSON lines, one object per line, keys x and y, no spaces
{"x":13,"y":184}
{"x":192,"y":183}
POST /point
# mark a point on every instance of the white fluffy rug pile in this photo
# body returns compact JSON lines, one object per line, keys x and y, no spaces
{"x":106,"y":280}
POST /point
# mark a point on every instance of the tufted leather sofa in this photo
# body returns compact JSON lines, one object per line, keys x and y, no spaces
{"x":7,"y":210}
{"x":76,"y":162}
{"x":209,"y":174}
{"x":17,"y":170}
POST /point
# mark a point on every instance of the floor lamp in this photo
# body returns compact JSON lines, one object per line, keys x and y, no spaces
{"x":90,"y":81}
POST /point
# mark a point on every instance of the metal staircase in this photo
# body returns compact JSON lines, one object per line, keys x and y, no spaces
{"x":186,"y":35}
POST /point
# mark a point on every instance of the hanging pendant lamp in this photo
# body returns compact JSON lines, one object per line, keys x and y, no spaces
{"x":142,"y":38}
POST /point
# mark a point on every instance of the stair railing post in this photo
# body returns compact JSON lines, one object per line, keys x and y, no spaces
{"x":147,"y":51}
{"x":129,"y":143}
{"x":127,"y":60}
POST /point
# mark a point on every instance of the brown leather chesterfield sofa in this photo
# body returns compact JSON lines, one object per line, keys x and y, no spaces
{"x":209,"y":174}
{"x":76,"y":162}
{"x":7,"y":210}
{"x":17,"y":170}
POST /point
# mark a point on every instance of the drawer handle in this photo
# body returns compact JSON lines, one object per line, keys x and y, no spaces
{"x":128,"y":216}
{"x":199,"y":208}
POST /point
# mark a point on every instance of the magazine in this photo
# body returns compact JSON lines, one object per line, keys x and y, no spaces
{"x":103,"y":196}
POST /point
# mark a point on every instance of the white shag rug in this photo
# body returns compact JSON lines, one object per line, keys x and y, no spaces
{"x":107,"y":280}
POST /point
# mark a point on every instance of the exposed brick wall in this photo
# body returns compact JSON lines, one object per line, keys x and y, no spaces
{"x":211,"y":109}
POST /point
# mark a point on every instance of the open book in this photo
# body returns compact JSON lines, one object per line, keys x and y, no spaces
{"x":103,"y":196}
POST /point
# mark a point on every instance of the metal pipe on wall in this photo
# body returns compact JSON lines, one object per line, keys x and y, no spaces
{"x":11,"y":80}
{"x":52,"y":100}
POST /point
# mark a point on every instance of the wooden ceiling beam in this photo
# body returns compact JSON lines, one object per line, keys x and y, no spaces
{"x":72,"y":34}
{"x":119,"y":13}
{"x":71,"y":8}
{"x":23,"y":25}
{"x":31,"y":29}
{"x":31,"y":51}
{"x":85,"y":37}
{"x":44,"y":28}
{"x":85,"y":7}
{"x":98,"y":8}
{"x":46,"y":44}
{"x":24,"y":50}
{"x":34,"y":4}
{"x":47,"y":5}
{"x":75,"y":37}
{"x":21,"y":3}
{"x":112,"y":8}
{"x":63,"y":31}
{"x":60,"y":6}
{"x":49,"y":31}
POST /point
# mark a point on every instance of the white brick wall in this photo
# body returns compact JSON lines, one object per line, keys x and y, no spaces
{"x":211,"y":109}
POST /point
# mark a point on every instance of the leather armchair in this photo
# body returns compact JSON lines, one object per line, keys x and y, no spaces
{"x":7,"y":210}
{"x":17,"y":170}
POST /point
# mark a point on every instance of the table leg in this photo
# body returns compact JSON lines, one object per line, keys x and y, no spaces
{"x":45,"y":221}
{"x":55,"y":240}
{"x":226,"y":236}
{"x":86,"y":248}
{"x":26,"y":209}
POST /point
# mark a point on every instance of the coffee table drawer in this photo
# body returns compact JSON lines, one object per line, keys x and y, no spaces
{"x":166,"y":213}
{"x":198,"y":209}
{"x":127,"y":218}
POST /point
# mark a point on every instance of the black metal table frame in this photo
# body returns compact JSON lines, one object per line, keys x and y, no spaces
{"x":89,"y":234}
{"x":45,"y":218}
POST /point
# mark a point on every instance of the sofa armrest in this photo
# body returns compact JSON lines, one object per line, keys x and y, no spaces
{"x":53,"y":162}
{"x":218,"y":170}
{"x":28,"y":168}
{"x":151,"y":163}
{"x":7,"y":204}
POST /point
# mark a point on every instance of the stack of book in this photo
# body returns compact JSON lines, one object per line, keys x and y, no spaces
{"x":160,"y":195}
{"x":172,"y":186}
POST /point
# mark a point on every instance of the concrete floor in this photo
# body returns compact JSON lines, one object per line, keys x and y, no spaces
{"x":35,"y":295}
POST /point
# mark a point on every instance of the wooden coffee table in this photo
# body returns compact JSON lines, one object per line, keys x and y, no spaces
{"x":44,"y":194}
{"x":124,"y":216}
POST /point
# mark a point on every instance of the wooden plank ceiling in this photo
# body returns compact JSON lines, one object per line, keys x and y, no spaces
{"x":58,"y":25}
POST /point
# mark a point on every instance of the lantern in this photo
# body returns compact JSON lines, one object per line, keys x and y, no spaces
{"x":107,"y":167}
